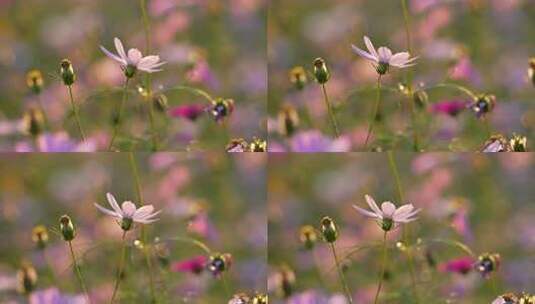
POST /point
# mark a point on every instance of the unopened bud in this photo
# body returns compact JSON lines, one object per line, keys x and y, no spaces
{"x":260,"y":298}
{"x":258,"y":145}
{"x":298,"y":77}
{"x":67,"y":228}
{"x":420,"y":98}
{"x":160,"y":103}
{"x":483,"y":104}
{"x":40,"y":236}
{"x":222,"y":108}
{"x":288,"y":120}
{"x":34,"y":80}
{"x":488,"y":263}
{"x":321,"y":72}
{"x":308,"y":236}
{"x":26,"y":278}
{"x":518,"y":143}
{"x":219,"y":263}
{"x":33,"y":121}
{"x":67,"y":72}
{"x":329,"y":230}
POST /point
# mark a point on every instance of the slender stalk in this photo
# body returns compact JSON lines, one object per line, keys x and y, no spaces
{"x":120,"y":268}
{"x":148,"y":82}
{"x":487,"y":126}
{"x":76,"y":117}
{"x":42,"y":109}
{"x":225,"y":285}
{"x":408,"y":75}
{"x":375,"y":112}
{"x":79,"y":273}
{"x":405,"y":231}
{"x":383,"y":269}
{"x":117,"y":120}
{"x":145,"y":250}
{"x":330,"y":110}
{"x":341,"y":275}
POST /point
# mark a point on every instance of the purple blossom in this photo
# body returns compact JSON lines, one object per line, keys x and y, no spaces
{"x":191,"y":111}
{"x":450,"y":107}
{"x":314,"y":141}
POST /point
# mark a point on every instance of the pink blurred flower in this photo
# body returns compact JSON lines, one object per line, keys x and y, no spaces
{"x":190,"y":111}
{"x":464,"y":70}
{"x":449,"y":107}
{"x":193,"y":265}
{"x":461,"y":265}
{"x":314,"y":141}
{"x":201,"y":225}
{"x":56,"y":142}
{"x":201,"y":73}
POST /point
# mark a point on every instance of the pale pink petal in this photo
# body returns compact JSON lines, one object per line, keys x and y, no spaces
{"x":388,"y":209}
{"x":147,"y":221}
{"x":363,"y":53}
{"x":128,"y":209}
{"x":399,"y":58}
{"x":112,"y":56}
{"x":107,"y":211}
{"x":134,"y":56}
{"x":384,"y":54}
{"x":366,"y":212}
{"x":403,"y":211}
{"x":370,"y":47}
{"x":113,"y":203}
{"x":120,"y":49}
{"x":373,"y":205}
{"x":143,"y":212}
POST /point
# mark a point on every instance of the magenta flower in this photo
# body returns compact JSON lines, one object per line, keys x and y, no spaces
{"x":193,"y":265}
{"x":461,"y":265}
{"x":450,"y":107}
{"x":190,"y":112}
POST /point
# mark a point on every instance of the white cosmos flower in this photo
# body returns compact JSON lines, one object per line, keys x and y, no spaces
{"x":383,"y":57}
{"x":134,"y":59}
{"x":128,"y":212}
{"x":388,"y":215}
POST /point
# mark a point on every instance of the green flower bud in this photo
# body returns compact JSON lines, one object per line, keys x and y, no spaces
{"x":130,"y":71}
{"x":329,"y":230}
{"x":67,"y":72}
{"x":382,"y":68}
{"x":33,"y":121}
{"x":518,"y":143}
{"x":420,"y":98}
{"x":258,"y":145}
{"x":67,"y":228}
{"x":260,"y":298}
{"x":321,"y":72}
{"x":26,"y":278}
{"x":34,"y":80}
{"x":126,"y":223}
{"x":288,"y":120}
{"x":160,"y":103}
{"x":40,"y":236}
{"x":308,"y":236}
{"x":298,"y":77}
{"x":162,"y":252}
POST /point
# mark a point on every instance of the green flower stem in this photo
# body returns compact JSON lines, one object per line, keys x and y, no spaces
{"x":76,"y":116}
{"x":148,"y":80}
{"x":50,"y":268}
{"x":117,"y":120}
{"x":405,"y":231}
{"x":146,"y":248}
{"x":408,"y":76}
{"x":330,"y":110}
{"x":341,"y":275}
{"x":42,"y":109}
{"x":79,"y":273}
{"x":487,"y":126}
{"x":383,"y":269}
{"x":120,"y":268}
{"x":374,"y":113}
